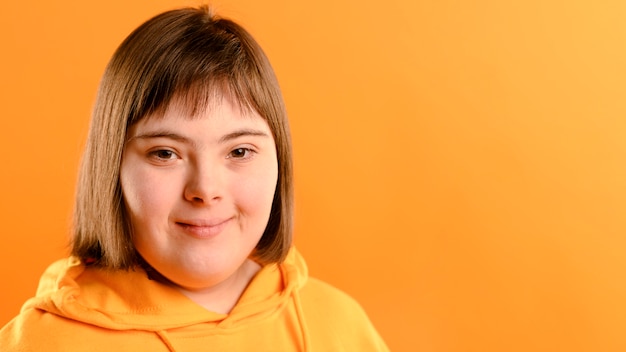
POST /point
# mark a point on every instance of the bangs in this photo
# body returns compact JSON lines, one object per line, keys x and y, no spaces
{"x":195,"y":101}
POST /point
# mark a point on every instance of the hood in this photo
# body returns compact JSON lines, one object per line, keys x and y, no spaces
{"x":123,"y":300}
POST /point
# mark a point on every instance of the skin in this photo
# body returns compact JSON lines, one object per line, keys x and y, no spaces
{"x":199,"y":191}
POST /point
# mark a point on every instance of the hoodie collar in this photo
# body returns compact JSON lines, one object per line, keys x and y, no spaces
{"x":122,"y":300}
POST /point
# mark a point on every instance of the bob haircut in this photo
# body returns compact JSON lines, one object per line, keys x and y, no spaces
{"x":191,"y":56}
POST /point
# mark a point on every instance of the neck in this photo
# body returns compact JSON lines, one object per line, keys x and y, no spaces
{"x":223,"y":297}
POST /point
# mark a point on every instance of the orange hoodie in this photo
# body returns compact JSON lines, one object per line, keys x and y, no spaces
{"x":79,"y":308}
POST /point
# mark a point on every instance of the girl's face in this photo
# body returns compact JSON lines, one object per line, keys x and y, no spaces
{"x":198,"y":191}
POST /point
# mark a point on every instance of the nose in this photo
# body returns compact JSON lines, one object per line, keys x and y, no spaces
{"x":204,"y":185}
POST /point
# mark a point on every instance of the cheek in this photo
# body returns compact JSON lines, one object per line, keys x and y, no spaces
{"x":140,"y":195}
{"x":256,"y":193}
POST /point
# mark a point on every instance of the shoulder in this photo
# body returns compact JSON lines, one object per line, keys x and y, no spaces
{"x":32,"y":330}
{"x":324,"y":295}
{"x":335,"y":320}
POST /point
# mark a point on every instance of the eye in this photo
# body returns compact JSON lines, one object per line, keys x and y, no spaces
{"x":163,"y":155}
{"x":241,"y":153}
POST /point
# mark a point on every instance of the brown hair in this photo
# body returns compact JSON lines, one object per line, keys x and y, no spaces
{"x":190,"y":54}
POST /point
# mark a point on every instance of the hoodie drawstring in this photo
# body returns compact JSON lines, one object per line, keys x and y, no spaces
{"x":301,"y":321}
{"x":163,"y":336}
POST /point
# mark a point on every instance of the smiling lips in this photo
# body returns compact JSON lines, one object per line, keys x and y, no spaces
{"x":203,"y":229}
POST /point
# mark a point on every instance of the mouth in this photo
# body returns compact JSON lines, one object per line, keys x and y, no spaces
{"x":203,"y":229}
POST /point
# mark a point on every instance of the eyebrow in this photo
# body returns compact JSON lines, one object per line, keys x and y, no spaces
{"x":240,"y":133}
{"x":161,"y":134}
{"x":177,"y":137}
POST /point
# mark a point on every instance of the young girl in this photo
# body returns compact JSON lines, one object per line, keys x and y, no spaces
{"x":183,"y":219}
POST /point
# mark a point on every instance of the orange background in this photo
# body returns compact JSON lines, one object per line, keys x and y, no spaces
{"x":460,"y":165}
